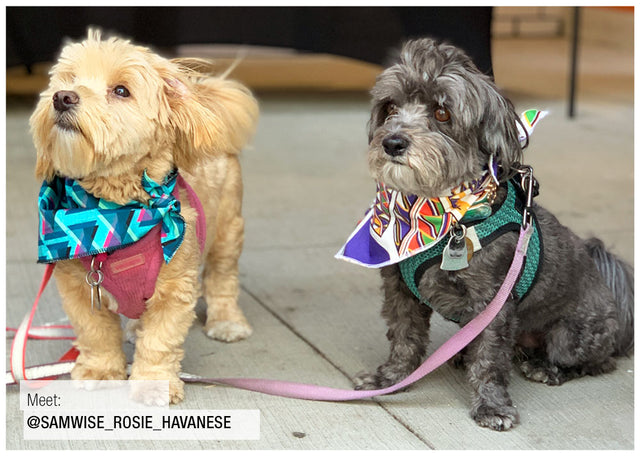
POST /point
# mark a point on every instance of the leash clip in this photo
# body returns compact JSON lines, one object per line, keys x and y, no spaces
{"x":528,"y":184}
{"x":94,"y":278}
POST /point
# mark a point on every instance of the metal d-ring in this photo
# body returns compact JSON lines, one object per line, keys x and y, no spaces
{"x":94,"y":278}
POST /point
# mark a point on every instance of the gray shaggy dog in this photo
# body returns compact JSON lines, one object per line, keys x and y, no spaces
{"x":434,"y":123}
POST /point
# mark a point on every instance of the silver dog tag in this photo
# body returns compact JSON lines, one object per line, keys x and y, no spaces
{"x":456,"y":253}
{"x":96,"y":297}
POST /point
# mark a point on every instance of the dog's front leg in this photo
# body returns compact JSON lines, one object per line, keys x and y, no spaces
{"x":98,"y":331}
{"x":163,"y":328}
{"x":488,"y":360}
{"x":408,"y":333}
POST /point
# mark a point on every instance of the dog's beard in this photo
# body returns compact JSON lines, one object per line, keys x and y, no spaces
{"x":431,"y":166}
{"x":404,"y":174}
{"x":72,"y":154}
{"x":67,"y":122}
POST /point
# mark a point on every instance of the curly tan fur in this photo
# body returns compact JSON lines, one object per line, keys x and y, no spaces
{"x":173,"y":117}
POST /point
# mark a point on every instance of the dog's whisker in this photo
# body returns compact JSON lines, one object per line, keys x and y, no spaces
{"x":241,"y":55}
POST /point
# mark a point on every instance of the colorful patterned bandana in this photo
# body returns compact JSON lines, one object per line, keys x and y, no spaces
{"x":530,"y":119}
{"x":398,"y":226}
{"x":74,"y":223}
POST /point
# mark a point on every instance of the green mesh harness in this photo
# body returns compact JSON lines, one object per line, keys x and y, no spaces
{"x":506,"y":218}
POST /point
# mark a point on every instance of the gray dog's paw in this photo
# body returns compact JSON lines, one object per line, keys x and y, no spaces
{"x":366,"y":381}
{"x":375,"y":381}
{"x":546,"y":374}
{"x":497,"y":418}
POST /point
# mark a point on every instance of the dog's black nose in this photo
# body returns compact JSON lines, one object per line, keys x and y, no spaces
{"x":64,"y":100}
{"x":395,"y":145}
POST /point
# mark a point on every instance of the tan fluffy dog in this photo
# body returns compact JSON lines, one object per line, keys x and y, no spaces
{"x":134,"y":111}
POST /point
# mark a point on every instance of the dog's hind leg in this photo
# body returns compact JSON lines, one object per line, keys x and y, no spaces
{"x":408,"y":333}
{"x":225,"y":320}
{"x":577,"y":345}
{"x":98,"y":331}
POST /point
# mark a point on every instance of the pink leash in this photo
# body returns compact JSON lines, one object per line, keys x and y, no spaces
{"x":18,"y":371}
{"x":451,"y":347}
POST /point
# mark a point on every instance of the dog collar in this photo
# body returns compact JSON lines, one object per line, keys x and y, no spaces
{"x":73,"y":223}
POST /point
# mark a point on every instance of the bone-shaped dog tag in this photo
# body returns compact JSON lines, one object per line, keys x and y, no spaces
{"x":454,"y":256}
{"x":458,"y":251}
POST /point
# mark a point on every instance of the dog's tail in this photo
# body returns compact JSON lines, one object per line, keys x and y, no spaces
{"x":618,"y":276}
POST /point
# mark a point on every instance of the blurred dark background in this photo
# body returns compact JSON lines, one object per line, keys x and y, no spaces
{"x":370,"y":34}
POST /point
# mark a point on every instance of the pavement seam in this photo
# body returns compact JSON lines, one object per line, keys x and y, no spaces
{"x":330,"y":362}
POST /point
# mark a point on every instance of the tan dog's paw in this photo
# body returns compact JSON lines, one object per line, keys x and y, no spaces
{"x":83,"y":372}
{"x":228,"y":331}
{"x":88,"y":378}
{"x":155,"y":393}
{"x":95,"y":384}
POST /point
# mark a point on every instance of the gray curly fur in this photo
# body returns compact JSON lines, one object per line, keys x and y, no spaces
{"x":578,"y":315}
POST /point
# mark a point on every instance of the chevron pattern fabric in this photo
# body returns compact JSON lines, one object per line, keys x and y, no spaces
{"x":73,"y":223}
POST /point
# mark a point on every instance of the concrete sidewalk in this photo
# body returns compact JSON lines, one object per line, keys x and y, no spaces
{"x":316,"y":319}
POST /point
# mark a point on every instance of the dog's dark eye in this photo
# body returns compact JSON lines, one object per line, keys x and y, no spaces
{"x":442,"y":114}
{"x":390,"y":109}
{"x":121,"y":91}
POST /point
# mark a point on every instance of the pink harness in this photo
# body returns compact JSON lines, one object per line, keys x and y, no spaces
{"x":130,"y":273}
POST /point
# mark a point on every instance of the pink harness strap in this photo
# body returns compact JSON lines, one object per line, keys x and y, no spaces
{"x":130,"y":273}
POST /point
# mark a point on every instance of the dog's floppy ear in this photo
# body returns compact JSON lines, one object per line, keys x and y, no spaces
{"x":498,"y":133}
{"x":210,"y":116}
{"x":377,"y":117}
{"x":41,"y":125}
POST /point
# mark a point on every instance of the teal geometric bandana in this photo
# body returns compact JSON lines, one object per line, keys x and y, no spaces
{"x":74,"y":223}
